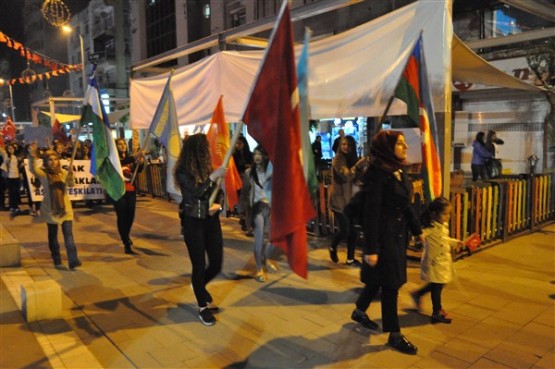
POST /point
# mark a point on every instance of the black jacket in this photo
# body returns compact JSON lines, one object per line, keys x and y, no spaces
{"x":191,"y":191}
{"x":388,"y":216}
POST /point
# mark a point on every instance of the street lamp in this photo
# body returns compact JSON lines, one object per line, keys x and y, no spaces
{"x":2,"y":81}
{"x":68,"y":29}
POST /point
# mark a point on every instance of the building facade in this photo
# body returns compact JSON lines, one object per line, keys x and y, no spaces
{"x":105,"y":29}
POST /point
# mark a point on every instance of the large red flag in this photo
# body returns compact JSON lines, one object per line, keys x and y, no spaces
{"x":8,"y":130}
{"x":272,"y":117}
{"x":218,"y":137}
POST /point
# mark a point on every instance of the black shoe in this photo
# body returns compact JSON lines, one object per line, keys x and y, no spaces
{"x":363,"y":319}
{"x":75,"y":264}
{"x":129,"y":251}
{"x":401,"y":343}
{"x":440,"y":317}
{"x":353,"y":263}
{"x":333,"y":254}
{"x":206,"y":317}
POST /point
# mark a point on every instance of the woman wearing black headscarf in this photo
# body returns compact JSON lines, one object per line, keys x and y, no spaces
{"x":388,"y":216}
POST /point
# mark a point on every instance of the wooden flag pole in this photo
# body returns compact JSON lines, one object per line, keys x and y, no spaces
{"x":225,"y":163}
{"x":70,"y":169}
{"x":136,"y":170}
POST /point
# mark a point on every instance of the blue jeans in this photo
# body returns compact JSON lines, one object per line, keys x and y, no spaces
{"x":54,"y":246}
{"x":262,"y":249}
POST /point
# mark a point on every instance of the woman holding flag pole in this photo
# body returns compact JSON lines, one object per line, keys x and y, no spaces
{"x":199,"y":212}
{"x":56,"y":207}
{"x":125,"y":206}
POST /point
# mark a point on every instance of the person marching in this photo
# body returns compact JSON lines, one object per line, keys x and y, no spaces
{"x":345,"y":167}
{"x":56,"y":207}
{"x":200,"y":221}
{"x":388,"y":217}
{"x":256,"y":198}
{"x":125,"y":206}
{"x":436,"y":266}
{"x":13,"y":167}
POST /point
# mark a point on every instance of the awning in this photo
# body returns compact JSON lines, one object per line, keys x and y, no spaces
{"x":113,"y":117}
{"x":467,"y":66}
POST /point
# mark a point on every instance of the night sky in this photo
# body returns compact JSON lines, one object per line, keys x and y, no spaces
{"x":11,"y":23}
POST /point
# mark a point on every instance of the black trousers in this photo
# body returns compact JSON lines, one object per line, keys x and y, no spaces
{"x":390,"y":318}
{"x":478,"y":170}
{"x":203,"y":238}
{"x":435,"y":290}
{"x":125,"y":212}
{"x":13,"y":191}
{"x":345,"y":232}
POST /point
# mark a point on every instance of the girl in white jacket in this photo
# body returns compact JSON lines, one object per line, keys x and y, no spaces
{"x":437,"y":263}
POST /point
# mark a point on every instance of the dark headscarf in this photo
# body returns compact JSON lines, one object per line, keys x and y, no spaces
{"x":382,"y":151}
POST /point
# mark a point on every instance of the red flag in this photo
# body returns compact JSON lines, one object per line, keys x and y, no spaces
{"x":218,"y":137}
{"x":8,"y":130}
{"x":58,"y":132}
{"x":272,"y":117}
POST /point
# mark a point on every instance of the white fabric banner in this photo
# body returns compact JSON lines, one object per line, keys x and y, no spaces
{"x":351,"y":74}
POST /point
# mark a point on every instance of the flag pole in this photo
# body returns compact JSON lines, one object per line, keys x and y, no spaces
{"x":70,"y":169}
{"x":266,"y":51}
{"x":225,"y":162}
{"x":147,"y":139}
{"x":240,"y":123}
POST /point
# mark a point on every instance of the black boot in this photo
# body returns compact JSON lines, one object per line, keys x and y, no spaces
{"x":127,"y":248}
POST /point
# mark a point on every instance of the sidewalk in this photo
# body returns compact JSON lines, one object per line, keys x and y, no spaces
{"x":122,"y":311}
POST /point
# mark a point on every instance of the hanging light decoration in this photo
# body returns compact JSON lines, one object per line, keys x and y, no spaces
{"x":28,"y":74}
{"x":55,"y":12}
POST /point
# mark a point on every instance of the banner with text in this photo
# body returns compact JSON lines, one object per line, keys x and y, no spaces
{"x":86,"y":185}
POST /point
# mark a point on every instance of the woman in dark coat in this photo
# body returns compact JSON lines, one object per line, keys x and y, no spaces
{"x":388,"y":216}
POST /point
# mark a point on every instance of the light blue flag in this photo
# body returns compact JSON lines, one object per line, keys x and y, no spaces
{"x":307,"y":156}
{"x":164,"y":126}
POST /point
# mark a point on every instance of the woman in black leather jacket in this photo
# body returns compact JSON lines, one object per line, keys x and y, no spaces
{"x":200,"y":221}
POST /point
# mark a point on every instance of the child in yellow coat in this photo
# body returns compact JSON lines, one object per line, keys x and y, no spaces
{"x":436,"y":266}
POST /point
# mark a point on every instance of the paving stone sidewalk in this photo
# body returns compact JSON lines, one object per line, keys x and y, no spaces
{"x":122,"y":311}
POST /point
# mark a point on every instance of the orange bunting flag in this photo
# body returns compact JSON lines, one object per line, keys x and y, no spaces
{"x":218,"y":137}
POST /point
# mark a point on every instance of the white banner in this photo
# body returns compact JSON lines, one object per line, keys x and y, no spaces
{"x":86,"y":185}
